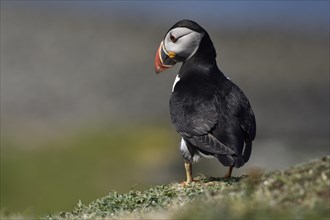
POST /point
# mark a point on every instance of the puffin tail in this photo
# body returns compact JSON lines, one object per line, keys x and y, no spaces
{"x":247,"y":150}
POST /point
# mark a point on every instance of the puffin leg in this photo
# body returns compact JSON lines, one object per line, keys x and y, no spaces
{"x":188,"y":168}
{"x":228,"y":174}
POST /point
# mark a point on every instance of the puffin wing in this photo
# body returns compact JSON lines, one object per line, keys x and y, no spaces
{"x":194,"y":120}
{"x":246,"y":117}
{"x":249,"y":124}
{"x":249,"y":127}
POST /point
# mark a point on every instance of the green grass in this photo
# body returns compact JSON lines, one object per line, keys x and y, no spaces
{"x":52,"y":175}
{"x":299,"y":192}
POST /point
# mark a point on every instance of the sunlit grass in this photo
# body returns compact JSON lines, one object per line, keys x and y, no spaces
{"x":84,"y":164}
{"x":256,"y":196}
{"x":90,"y":162}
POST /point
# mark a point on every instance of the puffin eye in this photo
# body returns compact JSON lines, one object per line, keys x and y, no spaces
{"x":173,"y":39}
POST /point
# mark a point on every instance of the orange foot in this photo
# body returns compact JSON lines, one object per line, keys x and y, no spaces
{"x":186,"y":183}
{"x":227,"y":176}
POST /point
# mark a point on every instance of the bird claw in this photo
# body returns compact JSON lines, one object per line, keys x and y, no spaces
{"x":226,"y":177}
{"x":186,"y":183}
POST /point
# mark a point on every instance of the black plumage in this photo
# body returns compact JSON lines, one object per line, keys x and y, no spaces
{"x":208,"y":110}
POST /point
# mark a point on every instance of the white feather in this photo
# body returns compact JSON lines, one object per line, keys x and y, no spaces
{"x":177,"y":79}
{"x":187,"y":43}
{"x":187,"y":154}
{"x":184,"y":149}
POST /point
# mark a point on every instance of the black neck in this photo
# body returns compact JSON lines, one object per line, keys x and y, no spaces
{"x":206,"y":53}
{"x":203,"y":62}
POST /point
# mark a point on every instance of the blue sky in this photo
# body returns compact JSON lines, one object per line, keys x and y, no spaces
{"x":300,"y":14}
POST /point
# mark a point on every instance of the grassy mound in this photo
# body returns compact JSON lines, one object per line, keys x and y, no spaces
{"x":299,"y":192}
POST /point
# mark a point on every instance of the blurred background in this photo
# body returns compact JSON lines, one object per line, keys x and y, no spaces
{"x":83,"y":113}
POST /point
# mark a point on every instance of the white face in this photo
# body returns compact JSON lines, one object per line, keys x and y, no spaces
{"x":184,"y":42}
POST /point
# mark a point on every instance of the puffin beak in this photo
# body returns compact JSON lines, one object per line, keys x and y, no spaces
{"x":163,"y":59}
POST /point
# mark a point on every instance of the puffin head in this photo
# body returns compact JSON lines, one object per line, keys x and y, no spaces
{"x":180,"y":43}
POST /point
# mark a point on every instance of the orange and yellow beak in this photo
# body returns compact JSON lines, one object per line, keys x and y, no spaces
{"x":164,"y":59}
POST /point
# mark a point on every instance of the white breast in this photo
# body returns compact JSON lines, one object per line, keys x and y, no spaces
{"x":177,"y":79}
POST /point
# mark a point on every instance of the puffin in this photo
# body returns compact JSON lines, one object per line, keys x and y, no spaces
{"x":210,"y":112}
